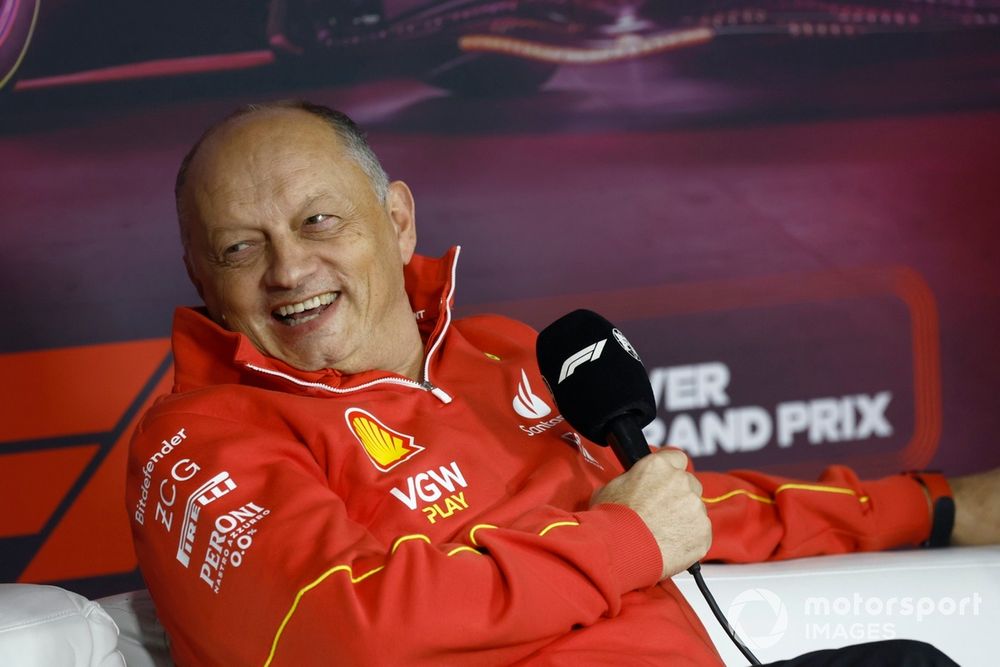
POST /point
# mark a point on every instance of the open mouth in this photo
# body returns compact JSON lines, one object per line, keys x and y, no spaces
{"x":294,"y":314}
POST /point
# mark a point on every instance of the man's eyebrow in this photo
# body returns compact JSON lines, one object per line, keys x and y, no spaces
{"x":226,"y":231}
{"x":313,"y":198}
{"x":331,"y":202}
{"x":308,"y":203}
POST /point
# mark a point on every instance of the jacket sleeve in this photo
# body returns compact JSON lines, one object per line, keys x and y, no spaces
{"x":757,"y":517}
{"x":256,"y":561}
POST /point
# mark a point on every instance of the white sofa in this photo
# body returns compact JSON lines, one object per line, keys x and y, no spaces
{"x":948,"y":597}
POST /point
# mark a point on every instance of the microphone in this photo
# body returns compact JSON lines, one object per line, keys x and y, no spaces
{"x":598,"y":382}
{"x":603,"y":391}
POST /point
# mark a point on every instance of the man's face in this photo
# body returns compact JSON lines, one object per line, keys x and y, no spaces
{"x":290,"y":245}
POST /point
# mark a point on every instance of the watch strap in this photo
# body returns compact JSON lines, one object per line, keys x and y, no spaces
{"x":942,"y":505}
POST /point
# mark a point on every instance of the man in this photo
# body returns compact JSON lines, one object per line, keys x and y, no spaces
{"x":338,"y":476}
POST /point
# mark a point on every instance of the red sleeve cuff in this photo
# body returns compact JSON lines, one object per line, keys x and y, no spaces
{"x":941,"y":503}
{"x":904,"y":517}
{"x":635,"y":556}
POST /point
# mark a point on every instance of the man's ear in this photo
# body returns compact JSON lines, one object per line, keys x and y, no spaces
{"x":403,"y":214}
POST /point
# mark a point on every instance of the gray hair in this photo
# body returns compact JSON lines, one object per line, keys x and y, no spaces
{"x":353,"y":138}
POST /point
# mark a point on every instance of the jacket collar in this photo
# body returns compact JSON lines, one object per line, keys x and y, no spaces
{"x":207,"y":354}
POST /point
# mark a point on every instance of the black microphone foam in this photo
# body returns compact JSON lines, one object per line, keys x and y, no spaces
{"x":595,"y":375}
{"x":603,"y":391}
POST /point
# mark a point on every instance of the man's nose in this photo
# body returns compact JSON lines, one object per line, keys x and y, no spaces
{"x":291,"y":263}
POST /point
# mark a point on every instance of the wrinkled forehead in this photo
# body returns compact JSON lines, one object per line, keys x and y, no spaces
{"x":264,"y":141}
{"x":260,"y":158}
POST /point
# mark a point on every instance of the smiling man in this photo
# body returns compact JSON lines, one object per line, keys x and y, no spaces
{"x":298,"y":248}
{"x":350,"y":482}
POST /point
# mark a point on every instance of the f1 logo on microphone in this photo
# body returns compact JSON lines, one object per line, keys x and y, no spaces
{"x":590,"y":353}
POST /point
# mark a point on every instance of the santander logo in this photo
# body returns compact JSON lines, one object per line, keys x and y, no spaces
{"x":526,"y":403}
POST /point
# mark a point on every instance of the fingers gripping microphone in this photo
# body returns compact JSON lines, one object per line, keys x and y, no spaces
{"x":603,"y":391}
{"x":598,"y":381}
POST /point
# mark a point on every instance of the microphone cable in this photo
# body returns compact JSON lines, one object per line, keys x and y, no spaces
{"x":695,"y":571}
{"x":603,"y":391}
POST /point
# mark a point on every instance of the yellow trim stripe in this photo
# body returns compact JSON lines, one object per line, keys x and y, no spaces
{"x":817,"y":487}
{"x":306,"y":589}
{"x":785,"y":487}
{"x":556,"y":525}
{"x":405,"y":538}
{"x":395,"y":545}
{"x":737,"y":492}
{"x":463,"y":548}
{"x":472,"y":533}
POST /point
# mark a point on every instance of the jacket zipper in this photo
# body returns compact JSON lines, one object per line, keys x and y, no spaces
{"x":426,"y":385}
{"x":438,"y":392}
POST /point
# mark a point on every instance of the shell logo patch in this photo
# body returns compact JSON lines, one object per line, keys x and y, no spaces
{"x":386,"y":447}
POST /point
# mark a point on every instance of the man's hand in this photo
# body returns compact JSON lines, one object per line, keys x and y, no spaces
{"x":668,"y":499}
{"x":977,"y":508}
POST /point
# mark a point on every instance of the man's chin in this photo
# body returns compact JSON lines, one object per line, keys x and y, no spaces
{"x":305,"y":355}
{"x":301,"y":360}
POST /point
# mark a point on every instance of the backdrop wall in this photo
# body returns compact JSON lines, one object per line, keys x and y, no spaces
{"x":792,"y":214}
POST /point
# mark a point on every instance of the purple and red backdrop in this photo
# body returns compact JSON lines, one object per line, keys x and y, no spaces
{"x":792,"y":212}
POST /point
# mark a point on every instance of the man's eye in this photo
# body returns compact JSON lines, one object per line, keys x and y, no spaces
{"x":320,"y":219}
{"x":236,"y":248}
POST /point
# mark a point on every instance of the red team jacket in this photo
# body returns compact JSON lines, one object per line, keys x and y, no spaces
{"x":284,"y":517}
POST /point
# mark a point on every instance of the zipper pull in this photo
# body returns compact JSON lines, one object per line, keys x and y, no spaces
{"x":438,"y":392}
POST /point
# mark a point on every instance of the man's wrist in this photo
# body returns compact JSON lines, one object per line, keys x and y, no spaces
{"x":941,"y":505}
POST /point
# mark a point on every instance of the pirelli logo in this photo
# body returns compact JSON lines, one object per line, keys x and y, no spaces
{"x":386,"y":447}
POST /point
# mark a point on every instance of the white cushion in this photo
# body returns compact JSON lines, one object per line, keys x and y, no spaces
{"x":947,"y":597}
{"x":142,"y":640}
{"x":46,"y":626}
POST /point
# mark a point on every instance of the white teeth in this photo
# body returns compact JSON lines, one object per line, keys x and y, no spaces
{"x":303,"y":320}
{"x":308,"y":304}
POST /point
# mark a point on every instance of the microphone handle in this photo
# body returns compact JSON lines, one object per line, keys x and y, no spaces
{"x":629,"y":445}
{"x":625,"y":437}
{"x":624,"y":434}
